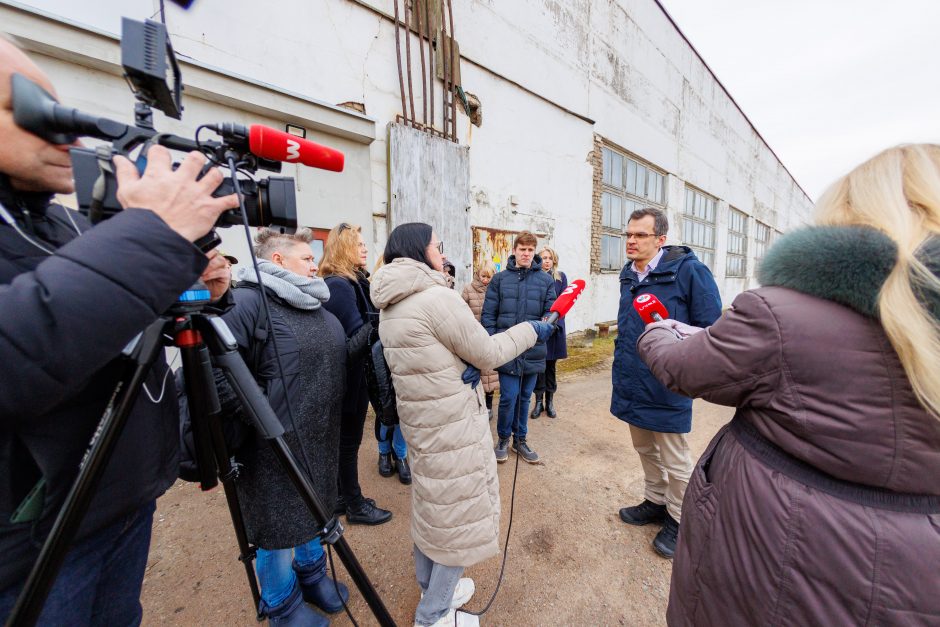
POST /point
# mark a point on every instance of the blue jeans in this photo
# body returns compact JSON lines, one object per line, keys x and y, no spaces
{"x":509,"y":423}
{"x":397,"y":443}
{"x":438,"y":583}
{"x":275,"y":575}
{"x":99,"y":582}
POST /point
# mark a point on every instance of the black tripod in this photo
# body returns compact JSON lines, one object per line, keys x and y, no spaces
{"x":198,"y":335}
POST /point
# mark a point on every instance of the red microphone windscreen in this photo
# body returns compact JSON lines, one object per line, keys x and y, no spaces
{"x":566,"y":299}
{"x":649,"y":308}
{"x":270,"y":143}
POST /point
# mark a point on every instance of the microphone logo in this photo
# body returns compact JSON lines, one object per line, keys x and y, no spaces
{"x":293,"y":150}
{"x":642,"y":298}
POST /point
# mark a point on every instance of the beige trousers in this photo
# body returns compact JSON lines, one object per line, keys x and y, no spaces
{"x":667,"y":466}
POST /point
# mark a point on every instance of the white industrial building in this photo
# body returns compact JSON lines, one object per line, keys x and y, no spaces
{"x":588,"y":109}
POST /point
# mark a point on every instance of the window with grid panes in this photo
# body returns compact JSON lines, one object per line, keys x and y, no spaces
{"x":761,"y":241}
{"x":628,"y":185}
{"x":698,"y":225}
{"x":736,"y":264}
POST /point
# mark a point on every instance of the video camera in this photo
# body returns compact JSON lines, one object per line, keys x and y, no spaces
{"x":148,"y":61}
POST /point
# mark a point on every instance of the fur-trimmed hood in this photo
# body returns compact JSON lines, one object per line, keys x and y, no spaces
{"x":844,"y":264}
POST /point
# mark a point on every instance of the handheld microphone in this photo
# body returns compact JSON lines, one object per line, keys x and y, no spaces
{"x":565,"y":301}
{"x":270,"y":143}
{"x":649,"y":308}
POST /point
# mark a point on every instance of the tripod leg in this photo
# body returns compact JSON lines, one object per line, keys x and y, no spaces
{"x":259,"y":411}
{"x":211,"y":450}
{"x":353,"y":567}
{"x":143,"y":352}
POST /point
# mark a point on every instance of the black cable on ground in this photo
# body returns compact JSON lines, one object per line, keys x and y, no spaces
{"x":512,"y":504}
{"x":329,"y":553}
{"x":280,"y":368}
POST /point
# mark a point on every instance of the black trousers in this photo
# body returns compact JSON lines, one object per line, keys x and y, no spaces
{"x":546,"y":381}
{"x":350,"y":438}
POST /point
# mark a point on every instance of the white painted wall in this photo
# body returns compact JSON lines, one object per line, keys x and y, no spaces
{"x":541,"y":68}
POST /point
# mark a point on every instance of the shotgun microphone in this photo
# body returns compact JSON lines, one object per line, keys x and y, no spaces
{"x":649,"y":308}
{"x":565,"y":301}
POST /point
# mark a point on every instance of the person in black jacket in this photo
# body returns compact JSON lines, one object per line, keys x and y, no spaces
{"x":311,"y":345}
{"x":556,"y":347}
{"x":343,"y":268}
{"x":72,"y":297}
{"x":520,"y":292}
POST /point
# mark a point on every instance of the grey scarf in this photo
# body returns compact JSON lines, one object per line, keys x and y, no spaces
{"x":297,"y":291}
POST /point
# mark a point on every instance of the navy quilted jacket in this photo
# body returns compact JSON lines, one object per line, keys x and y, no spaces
{"x":513,"y":296}
{"x":685,"y":286}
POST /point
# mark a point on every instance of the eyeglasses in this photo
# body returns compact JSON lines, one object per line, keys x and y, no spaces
{"x":639,"y":236}
{"x":439,"y":246}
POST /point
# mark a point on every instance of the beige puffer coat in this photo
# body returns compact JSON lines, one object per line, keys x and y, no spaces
{"x":427,"y":332}
{"x":473,"y":295}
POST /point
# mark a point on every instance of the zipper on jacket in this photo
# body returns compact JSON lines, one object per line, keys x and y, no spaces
{"x":27,"y":216}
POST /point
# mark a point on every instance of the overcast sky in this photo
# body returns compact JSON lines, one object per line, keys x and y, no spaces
{"x":827,"y":83}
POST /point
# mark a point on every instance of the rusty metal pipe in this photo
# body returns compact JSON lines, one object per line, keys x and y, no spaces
{"x":453,"y":71}
{"x":411,"y":93}
{"x":427,"y":26}
{"x":424,"y":80}
{"x":442,"y":44}
{"x":401,"y":78}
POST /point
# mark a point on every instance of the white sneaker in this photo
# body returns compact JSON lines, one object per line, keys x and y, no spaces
{"x":455,"y":618}
{"x":462,"y":593}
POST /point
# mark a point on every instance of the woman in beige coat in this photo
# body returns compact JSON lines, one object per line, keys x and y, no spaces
{"x":430,"y":337}
{"x":473,"y":294}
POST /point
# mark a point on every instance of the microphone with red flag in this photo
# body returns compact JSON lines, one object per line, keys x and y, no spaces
{"x":270,"y":143}
{"x":565,"y":301}
{"x":649,"y":308}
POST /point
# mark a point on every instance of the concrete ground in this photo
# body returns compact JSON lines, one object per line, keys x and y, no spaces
{"x":571,"y":560}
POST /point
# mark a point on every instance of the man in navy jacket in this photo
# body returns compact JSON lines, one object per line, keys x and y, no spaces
{"x":658,"y":418}
{"x":519,"y":293}
{"x":71,"y":297}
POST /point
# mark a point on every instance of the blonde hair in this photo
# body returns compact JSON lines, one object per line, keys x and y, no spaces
{"x":550,"y":251}
{"x":898,"y":193}
{"x":269,"y":241}
{"x":487,"y":268}
{"x":341,"y":252}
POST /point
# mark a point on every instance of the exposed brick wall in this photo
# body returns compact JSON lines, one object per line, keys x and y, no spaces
{"x":596,"y":211}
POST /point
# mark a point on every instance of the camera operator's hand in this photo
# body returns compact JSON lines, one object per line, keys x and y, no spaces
{"x":185,"y":204}
{"x":218,"y":274}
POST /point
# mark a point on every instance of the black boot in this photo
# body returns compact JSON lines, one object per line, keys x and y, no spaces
{"x":643,"y":514}
{"x":386,"y":465}
{"x":489,"y":404}
{"x":549,"y":405}
{"x":404,"y":471}
{"x":340,"y":508}
{"x":293,"y":612}
{"x":537,"y":410}
{"x":665,"y":541}
{"x":318,"y":587}
{"x":366,"y":513}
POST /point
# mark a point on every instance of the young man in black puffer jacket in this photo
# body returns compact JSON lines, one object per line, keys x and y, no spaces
{"x":520,"y":292}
